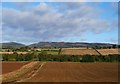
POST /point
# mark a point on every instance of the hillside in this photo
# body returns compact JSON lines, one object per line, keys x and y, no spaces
{"x":11,"y":45}
{"x":69,"y":44}
{"x":55,"y":45}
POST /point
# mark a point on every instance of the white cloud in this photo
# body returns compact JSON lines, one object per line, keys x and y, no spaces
{"x":46,"y":23}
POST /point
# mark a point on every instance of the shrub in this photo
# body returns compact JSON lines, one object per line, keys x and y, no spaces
{"x":88,"y":58}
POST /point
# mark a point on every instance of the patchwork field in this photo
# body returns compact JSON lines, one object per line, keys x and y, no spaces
{"x":77,"y":51}
{"x":108,"y":51}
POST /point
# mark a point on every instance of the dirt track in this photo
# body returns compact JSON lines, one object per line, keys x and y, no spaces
{"x":76,"y":72}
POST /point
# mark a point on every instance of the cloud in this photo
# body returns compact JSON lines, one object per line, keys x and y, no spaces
{"x":47,"y":23}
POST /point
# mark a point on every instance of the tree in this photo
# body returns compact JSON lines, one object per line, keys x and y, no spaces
{"x":118,"y":58}
{"x":87,"y":47}
{"x":39,"y":57}
{"x":5,"y":57}
{"x":60,"y":50}
{"x":114,"y":46}
{"x":8,"y":50}
{"x":88,"y":58}
{"x":107,"y":59}
{"x":109,"y":47}
{"x":28,"y":57}
{"x":56,"y":59}
{"x":113,"y":58}
{"x":24,"y":48}
{"x":42,"y":56}
{"x":118,"y":46}
{"x":20,"y":57}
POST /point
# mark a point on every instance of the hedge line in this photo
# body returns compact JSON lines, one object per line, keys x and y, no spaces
{"x":60,"y":58}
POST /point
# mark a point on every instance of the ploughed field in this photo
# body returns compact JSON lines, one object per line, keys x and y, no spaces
{"x":63,"y":72}
{"x":76,"y":72}
{"x":12,"y":66}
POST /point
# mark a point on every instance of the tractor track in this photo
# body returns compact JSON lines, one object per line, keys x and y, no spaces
{"x":29,"y":75}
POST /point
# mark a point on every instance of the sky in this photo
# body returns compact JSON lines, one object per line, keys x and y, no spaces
{"x":31,"y":22}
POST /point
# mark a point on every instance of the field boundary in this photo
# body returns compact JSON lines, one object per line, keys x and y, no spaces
{"x":97,"y":51}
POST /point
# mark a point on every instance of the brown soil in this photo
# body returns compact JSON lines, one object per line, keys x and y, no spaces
{"x":79,"y":51}
{"x":76,"y":72}
{"x":11,"y":66}
{"x":20,"y":74}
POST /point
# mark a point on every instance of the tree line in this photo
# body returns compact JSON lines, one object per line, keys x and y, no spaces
{"x":43,"y":56}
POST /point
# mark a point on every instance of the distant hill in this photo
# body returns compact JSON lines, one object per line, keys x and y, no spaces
{"x":11,"y":45}
{"x":55,"y":44}
{"x":69,"y":44}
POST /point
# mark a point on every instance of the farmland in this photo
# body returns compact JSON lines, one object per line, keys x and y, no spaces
{"x":65,"y":54}
{"x":77,"y":51}
{"x":72,"y":51}
{"x":20,"y":69}
{"x":108,"y":51}
{"x":6,"y":66}
{"x":61,"y":65}
{"x":59,"y":42}
{"x":71,"y":72}
{"x":12,"y":52}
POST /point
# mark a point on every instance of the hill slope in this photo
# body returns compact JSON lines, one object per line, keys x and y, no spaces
{"x":11,"y":45}
{"x":55,"y":44}
{"x":68,"y":44}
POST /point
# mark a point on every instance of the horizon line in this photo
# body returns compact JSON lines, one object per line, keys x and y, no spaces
{"x":57,"y":42}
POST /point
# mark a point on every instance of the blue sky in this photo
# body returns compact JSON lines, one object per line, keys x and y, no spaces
{"x":56,"y":21}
